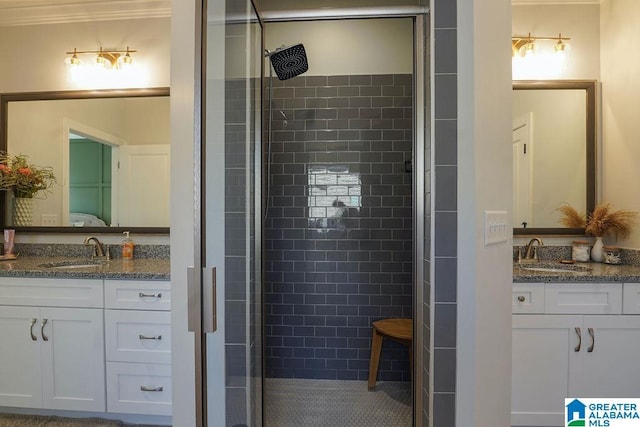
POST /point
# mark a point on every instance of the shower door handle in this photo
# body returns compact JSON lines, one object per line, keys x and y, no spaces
{"x":209,"y":309}
{"x":193,"y":301}
{"x":202,"y":310}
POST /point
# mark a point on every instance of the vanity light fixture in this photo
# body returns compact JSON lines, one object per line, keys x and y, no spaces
{"x":525,"y":46}
{"x":108,"y":59}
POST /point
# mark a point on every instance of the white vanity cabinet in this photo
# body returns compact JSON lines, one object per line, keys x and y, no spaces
{"x":52,"y":352}
{"x":576,"y":343}
{"x":138,"y":347}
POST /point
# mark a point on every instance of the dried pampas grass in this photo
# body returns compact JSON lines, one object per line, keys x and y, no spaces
{"x":603,"y":220}
{"x":571,"y":218}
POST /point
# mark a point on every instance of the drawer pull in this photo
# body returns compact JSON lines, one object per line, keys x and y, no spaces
{"x":521,"y":298}
{"x":156,"y":389}
{"x":143,"y":295}
{"x":144,"y":337}
{"x":579,"y":333}
{"x":593,"y":340}
{"x":33,"y":322}
{"x":44,"y":323}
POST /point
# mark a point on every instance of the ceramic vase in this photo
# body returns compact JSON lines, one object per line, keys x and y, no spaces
{"x":22,"y":211}
{"x":596,"y":251}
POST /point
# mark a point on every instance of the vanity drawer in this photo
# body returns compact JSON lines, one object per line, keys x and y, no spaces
{"x":138,"y":336}
{"x":527,"y":298}
{"x":631,"y":298}
{"x":47,"y":292}
{"x":137,"y":295}
{"x":583,"y":298}
{"x":139,"y":388}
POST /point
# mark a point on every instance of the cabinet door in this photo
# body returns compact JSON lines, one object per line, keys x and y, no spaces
{"x":610,"y":369}
{"x":20,"y":368}
{"x":543,"y":361}
{"x":73,"y":359}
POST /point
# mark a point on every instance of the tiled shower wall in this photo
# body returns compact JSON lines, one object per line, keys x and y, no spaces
{"x":339,"y":225}
{"x":443,"y":173}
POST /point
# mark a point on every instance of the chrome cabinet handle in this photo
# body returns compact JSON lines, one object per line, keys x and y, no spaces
{"x":143,"y":295}
{"x":579,"y":333}
{"x":521,"y":298}
{"x":593,"y":340}
{"x":33,"y":322}
{"x":144,"y":337}
{"x":43,"y":324}
{"x":145,"y":388}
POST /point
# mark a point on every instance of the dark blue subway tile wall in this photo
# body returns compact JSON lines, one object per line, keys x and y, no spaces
{"x":242,"y":293}
{"x":444,"y":262}
{"x":338,"y":238}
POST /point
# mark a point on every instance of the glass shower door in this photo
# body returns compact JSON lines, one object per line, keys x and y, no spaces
{"x":230,"y":222}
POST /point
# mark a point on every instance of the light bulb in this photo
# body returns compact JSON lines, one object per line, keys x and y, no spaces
{"x":529,"y":49}
{"x":72,"y":61}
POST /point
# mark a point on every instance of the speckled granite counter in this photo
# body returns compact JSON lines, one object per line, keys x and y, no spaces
{"x":140,"y":269}
{"x":597,"y":272}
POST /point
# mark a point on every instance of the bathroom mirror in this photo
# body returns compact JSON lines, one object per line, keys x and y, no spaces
{"x":554,"y":147}
{"x":109,"y":151}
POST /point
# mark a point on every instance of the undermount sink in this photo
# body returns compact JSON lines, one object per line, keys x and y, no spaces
{"x":72,"y":264}
{"x":555,"y":268}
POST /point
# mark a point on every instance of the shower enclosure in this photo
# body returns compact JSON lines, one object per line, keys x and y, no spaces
{"x":338,"y":234}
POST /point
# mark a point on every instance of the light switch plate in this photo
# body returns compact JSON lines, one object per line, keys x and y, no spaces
{"x":49,"y":220}
{"x":496,"y":227}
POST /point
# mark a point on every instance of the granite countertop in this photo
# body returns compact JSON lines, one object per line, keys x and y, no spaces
{"x":140,"y":269}
{"x":596,"y":272}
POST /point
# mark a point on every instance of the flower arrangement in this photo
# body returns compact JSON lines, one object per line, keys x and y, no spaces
{"x":603,"y":220}
{"x":23,"y":179}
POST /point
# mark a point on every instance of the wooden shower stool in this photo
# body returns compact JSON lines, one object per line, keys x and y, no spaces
{"x":399,"y":330}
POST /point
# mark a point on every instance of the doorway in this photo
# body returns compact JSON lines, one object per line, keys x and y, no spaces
{"x":338,"y":232}
{"x":342,"y":155}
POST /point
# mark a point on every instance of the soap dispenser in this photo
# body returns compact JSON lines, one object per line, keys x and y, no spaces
{"x":127,"y":246}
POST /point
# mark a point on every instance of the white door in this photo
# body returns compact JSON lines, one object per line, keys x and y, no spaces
{"x":143,"y":180}
{"x":610,"y":357}
{"x":20,"y":368}
{"x":522,"y":170}
{"x":72,"y":358}
{"x":546,"y":356}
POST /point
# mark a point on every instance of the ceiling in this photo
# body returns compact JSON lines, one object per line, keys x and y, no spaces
{"x":556,"y":1}
{"x":21,"y":12}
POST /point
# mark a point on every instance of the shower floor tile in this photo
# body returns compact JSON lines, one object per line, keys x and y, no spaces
{"x":329,"y":403}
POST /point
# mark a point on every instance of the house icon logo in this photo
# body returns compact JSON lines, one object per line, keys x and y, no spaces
{"x":576,"y":413}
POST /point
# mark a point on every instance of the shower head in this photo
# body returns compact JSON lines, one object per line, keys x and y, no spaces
{"x":289,"y":61}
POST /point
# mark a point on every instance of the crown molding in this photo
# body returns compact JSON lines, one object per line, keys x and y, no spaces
{"x":552,"y":2}
{"x":83,"y":12}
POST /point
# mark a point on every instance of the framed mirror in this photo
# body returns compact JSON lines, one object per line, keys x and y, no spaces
{"x":108,"y":150}
{"x":554,"y":146}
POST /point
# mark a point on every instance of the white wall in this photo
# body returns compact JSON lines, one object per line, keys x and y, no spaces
{"x":183,"y":120}
{"x":580,"y":22}
{"x":620,"y":110}
{"x":335,"y":47}
{"x":601,"y":39}
{"x":34,"y":61}
{"x":34,"y":54}
{"x":483,"y":387}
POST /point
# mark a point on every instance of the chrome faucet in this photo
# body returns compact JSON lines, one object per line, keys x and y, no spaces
{"x":99,"y":249}
{"x":531,"y":251}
